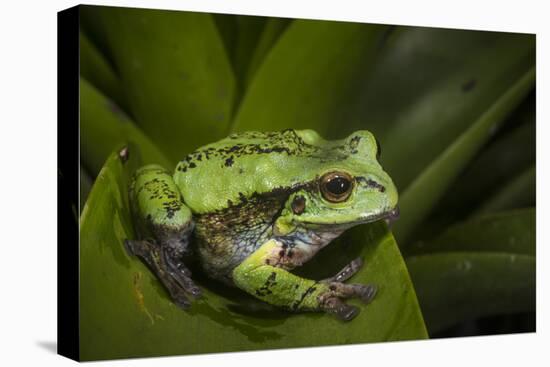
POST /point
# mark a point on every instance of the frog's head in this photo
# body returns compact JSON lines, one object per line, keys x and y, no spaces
{"x":350,"y":187}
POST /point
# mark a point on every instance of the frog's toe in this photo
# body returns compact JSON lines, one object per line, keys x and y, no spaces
{"x":186,"y":284}
{"x":340,"y":309}
{"x":182,"y":275}
{"x":347,"y":271}
{"x":366,"y":293}
{"x":178,"y":297}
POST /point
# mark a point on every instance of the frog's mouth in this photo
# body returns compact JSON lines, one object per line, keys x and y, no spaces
{"x":389,"y":216}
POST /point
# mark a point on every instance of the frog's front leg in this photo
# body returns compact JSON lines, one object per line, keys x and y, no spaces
{"x":263,"y":276}
{"x":164,"y":226}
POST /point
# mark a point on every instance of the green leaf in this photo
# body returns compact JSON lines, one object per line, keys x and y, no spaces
{"x":95,"y":68}
{"x":429,"y":85}
{"x":85,"y":182}
{"x":249,"y":32}
{"x":499,"y":163}
{"x":459,"y":286}
{"x":520,"y":192}
{"x":175,"y":72}
{"x":120,"y":298}
{"x":271,"y":33}
{"x":308,"y":76}
{"x":427,"y":188}
{"x":240,"y":34}
{"x":510,"y":231}
{"x":104,"y":127}
{"x":227,"y":29}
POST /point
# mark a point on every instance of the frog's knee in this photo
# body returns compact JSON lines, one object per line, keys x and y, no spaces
{"x":157,"y":202}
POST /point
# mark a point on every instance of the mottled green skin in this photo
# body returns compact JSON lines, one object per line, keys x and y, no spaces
{"x":240,"y":193}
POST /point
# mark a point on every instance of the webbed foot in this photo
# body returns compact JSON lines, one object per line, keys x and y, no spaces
{"x":174,"y":276}
{"x":331,"y":300}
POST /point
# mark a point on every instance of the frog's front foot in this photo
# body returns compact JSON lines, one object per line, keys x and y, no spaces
{"x":172,"y":273}
{"x":331,"y":300}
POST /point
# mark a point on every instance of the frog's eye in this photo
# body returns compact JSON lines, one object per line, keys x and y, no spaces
{"x":378,"y":149}
{"x":336,"y":186}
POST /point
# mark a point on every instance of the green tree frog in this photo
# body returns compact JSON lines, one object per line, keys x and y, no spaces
{"x":255,"y":205}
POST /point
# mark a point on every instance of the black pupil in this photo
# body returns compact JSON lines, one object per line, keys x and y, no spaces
{"x":338,"y":186}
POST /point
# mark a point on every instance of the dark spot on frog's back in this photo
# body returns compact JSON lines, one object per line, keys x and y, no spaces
{"x":229,"y":161}
{"x":192,"y":165}
{"x":354,"y":142}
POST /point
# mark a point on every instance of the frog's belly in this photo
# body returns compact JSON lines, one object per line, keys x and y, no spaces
{"x":219,"y":255}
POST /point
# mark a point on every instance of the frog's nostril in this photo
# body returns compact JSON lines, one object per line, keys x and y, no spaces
{"x":394,"y":214}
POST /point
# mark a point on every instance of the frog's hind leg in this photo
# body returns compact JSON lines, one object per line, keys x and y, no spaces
{"x":179,"y":271}
{"x":165,"y":221}
{"x":263,"y":274}
{"x":347,"y":271}
{"x":151,"y":254}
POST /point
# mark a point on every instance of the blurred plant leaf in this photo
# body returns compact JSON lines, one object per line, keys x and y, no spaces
{"x":308,"y":76}
{"x":104,"y":126}
{"x":227,"y":29}
{"x":85,"y":182}
{"x":421,"y":195}
{"x":520,"y":192}
{"x":271,"y":32}
{"x":510,"y":231}
{"x":500,"y":162}
{"x":249,"y":31}
{"x":240,"y":34}
{"x":175,"y":72}
{"x":120,"y":298}
{"x":459,"y":286}
{"x":432,"y":84}
{"x":97,"y":71}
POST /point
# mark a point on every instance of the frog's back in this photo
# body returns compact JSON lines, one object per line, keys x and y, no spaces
{"x":224,"y":173}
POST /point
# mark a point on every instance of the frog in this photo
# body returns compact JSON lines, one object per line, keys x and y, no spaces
{"x":254,"y":206}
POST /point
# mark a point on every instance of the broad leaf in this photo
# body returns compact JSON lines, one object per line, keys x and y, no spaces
{"x":249,"y":32}
{"x":273,"y":29}
{"x":120,"y":298}
{"x":308,"y":77}
{"x":428,"y":187}
{"x":96,"y":69}
{"x":175,"y":72}
{"x":428,"y":86}
{"x":521,"y":192}
{"x":510,"y":231}
{"x":459,"y":286}
{"x":104,"y":127}
{"x":85,"y":186}
{"x":501,"y":162}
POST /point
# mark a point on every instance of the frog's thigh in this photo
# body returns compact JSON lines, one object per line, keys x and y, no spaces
{"x":160,"y":213}
{"x":158,"y":206}
{"x":274,"y":285}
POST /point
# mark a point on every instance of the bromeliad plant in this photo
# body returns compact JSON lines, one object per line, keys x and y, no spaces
{"x":453,"y":111}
